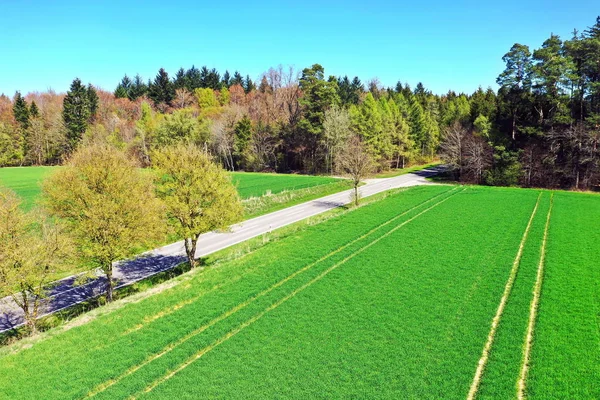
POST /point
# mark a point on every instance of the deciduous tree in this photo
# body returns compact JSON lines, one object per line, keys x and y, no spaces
{"x":198,"y":194}
{"x":356,"y":162}
{"x":31,"y":249}
{"x":108,"y":205}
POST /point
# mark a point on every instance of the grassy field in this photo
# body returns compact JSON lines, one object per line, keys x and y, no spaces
{"x":392,"y":300}
{"x":407,"y":170}
{"x":25,"y":181}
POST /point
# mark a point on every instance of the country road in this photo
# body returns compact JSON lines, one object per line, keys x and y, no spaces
{"x":65,"y":293}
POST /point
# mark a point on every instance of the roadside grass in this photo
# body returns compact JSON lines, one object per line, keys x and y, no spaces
{"x":262,"y":193}
{"x":267,"y":203}
{"x":11,"y":339}
{"x":402,"y":171}
{"x":565,"y":358}
{"x":377,"y":307}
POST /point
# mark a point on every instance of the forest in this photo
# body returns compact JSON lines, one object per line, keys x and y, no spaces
{"x":541,"y":128}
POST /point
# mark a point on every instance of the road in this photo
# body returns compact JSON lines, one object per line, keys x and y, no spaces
{"x":66,"y":293}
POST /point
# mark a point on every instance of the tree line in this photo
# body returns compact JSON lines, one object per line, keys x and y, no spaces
{"x":101,"y":208}
{"x":540,"y":128}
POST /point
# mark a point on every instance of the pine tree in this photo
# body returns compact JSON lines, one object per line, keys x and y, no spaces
{"x":120,"y":92}
{"x":213,"y":80}
{"x":193,"y":79}
{"x":21,"y":111}
{"x":93,"y":102}
{"x":418,"y":124}
{"x":138,"y":88}
{"x":237,"y":79}
{"x":368,"y":123}
{"x":248,"y":85}
{"x":34,"y":111}
{"x":226,"y":79}
{"x":180,"y":80}
{"x":76,"y":112}
{"x":161,"y":90}
{"x":123,"y":88}
{"x":204,"y":72}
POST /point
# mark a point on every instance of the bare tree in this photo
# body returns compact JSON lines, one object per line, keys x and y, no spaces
{"x":477,"y":157}
{"x":336,"y":129}
{"x":355,"y":161}
{"x":183,"y":98}
{"x":452,"y":147}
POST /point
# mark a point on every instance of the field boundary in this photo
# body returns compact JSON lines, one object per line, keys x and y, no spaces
{"x":255,"y":318}
{"x":169,"y":347}
{"x":537,"y":288}
{"x":496,"y":320}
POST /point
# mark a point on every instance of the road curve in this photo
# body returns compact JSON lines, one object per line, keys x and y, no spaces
{"x":66,"y":293}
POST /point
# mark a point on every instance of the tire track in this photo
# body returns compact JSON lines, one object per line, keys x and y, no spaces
{"x":522,"y":383}
{"x":496,"y":320}
{"x":292,"y":294}
{"x":105,"y":385}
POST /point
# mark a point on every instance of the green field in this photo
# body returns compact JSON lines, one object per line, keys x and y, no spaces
{"x":25,"y":181}
{"x":392,"y":300}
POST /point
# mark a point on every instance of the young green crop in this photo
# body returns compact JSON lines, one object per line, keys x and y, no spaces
{"x":106,"y":358}
{"x":391,"y":300}
{"x":565,"y":360}
{"x":25,"y":181}
{"x":502,"y":371}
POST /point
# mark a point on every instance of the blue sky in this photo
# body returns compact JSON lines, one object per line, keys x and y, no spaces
{"x":445,"y":44}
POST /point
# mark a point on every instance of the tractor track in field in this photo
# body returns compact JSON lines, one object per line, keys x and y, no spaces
{"x":292,"y":294}
{"x":503,"y":300}
{"x":67,"y":292}
{"x":168,"y":348}
{"x":535,"y":300}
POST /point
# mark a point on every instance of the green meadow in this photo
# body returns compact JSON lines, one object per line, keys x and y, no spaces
{"x":394,"y":299}
{"x":26,"y":182}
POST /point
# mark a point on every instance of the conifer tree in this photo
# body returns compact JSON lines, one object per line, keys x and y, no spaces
{"x":161,"y":90}
{"x":93,"y":102}
{"x":193,"y":79}
{"x":76,"y":112}
{"x":226,"y":79}
{"x":138,"y":88}
{"x":21,"y":111}
{"x":34,"y":111}
{"x":248,"y":85}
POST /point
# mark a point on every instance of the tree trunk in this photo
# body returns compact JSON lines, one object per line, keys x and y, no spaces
{"x":514,"y":125}
{"x":190,"y":251}
{"x":109,"y":284}
{"x":356,"y":194}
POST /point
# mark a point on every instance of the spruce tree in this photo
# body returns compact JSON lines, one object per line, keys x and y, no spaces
{"x":161,"y":90}
{"x":121,"y":92}
{"x":180,"y":80}
{"x":34,"y":111}
{"x":93,"y":102}
{"x":193,"y":79}
{"x":138,"y":88}
{"x":124,"y":87}
{"x":76,"y":112}
{"x":204,"y":72}
{"x":21,"y":111}
{"x":226,"y":79}
{"x":237,"y":79}
{"x":248,"y":85}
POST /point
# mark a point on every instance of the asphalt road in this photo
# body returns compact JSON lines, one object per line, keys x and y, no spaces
{"x":66,"y":293}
